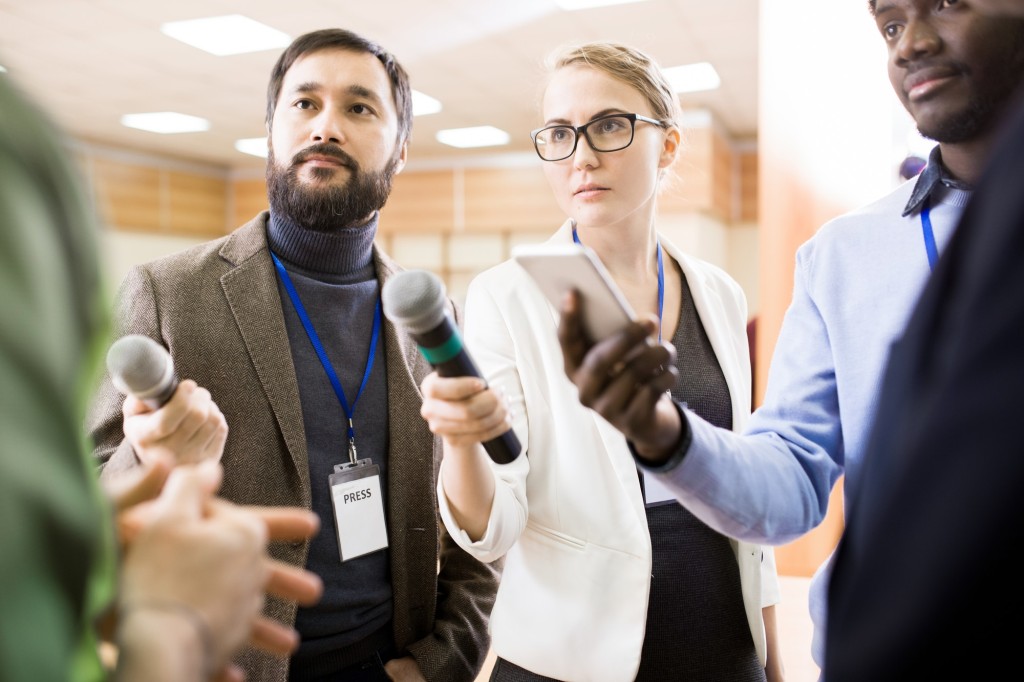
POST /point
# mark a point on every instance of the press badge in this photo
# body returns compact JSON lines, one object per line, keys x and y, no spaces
{"x":358,"y":508}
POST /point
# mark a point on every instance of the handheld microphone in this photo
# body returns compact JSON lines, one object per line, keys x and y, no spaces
{"x":142,"y":367}
{"x":415,"y":299}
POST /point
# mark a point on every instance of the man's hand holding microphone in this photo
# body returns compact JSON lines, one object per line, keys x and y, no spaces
{"x":165,"y":419}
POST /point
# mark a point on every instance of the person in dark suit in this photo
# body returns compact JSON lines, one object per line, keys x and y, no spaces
{"x":925,"y":582}
{"x":281,"y":322}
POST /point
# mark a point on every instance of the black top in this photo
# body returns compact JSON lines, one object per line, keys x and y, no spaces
{"x":696,"y":623}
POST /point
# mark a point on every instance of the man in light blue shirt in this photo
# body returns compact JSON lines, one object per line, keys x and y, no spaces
{"x":855,"y":284}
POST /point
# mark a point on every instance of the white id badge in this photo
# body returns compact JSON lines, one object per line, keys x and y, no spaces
{"x":358,"y":508}
{"x":655,"y":491}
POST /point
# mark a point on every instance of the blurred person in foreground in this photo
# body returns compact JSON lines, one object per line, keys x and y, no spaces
{"x":855,"y":284}
{"x":281,"y":321}
{"x":925,"y":583}
{"x":606,"y":577}
{"x":185,"y":592}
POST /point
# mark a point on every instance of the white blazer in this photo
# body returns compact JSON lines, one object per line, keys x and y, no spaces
{"x":568,"y":513}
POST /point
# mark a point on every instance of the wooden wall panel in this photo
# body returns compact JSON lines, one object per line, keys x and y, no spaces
{"x":249,"y":197}
{"x":748,"y":187}
{"x":197,"y":204}
{"x":724,"y":180}
{"x":128,"y":196}
{"x":508,"y":199}
{"x":688,"y":185}
{"x":420,"y":202}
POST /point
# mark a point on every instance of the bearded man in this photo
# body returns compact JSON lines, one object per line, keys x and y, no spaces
{"x":281,"y":322}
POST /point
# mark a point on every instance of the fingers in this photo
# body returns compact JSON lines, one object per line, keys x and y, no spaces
{"x":609,"y":358}
{"x":273,"y":637}
{"x":137,"y":485}
{"x":230,"y":673}
{"x":451,"y":388}
{"x":188,"y":428}
{"x":187,"y":492}
{"x":287,"y":523}
{"x":460,"y":415}
{"x":571,"y":336}
{"x":294,"y":584}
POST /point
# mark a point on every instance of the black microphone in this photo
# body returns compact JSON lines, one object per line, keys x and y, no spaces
{"x":415,"y":299}
{"x":142,"y":367}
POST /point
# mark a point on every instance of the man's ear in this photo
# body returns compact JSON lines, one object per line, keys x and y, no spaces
{"x":403,"y":156}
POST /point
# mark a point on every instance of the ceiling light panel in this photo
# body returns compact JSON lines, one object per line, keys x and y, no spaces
{"x":572,"y":5}
{"x":478,"y":136}
{"x":693,"y":77}
{"x":226,"y":35}
{"x":256,"y":146}
{"x":165,"y":122}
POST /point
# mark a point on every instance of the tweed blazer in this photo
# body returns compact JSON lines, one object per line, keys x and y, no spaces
{"x":217,"y":309}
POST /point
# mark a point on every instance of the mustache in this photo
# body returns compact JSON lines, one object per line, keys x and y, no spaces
{"x":328,"y":150}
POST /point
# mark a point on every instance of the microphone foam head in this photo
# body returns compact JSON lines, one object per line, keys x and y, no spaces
{"x":138,"y":364}
{"x":414,"y":299}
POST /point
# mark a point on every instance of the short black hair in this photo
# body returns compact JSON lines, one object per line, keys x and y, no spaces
{"x":339,"y":38}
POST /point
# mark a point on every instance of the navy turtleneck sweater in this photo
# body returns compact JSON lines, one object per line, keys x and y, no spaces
{"x":334,"y":276}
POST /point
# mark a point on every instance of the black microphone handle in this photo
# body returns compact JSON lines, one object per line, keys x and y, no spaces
{"x":506,"y":447}
{"x":155,"y":402}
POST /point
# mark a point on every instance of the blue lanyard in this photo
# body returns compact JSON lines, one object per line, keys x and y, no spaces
{"x":661,"y":278}
{"x":325,"y":361}
{"x":929,"y":235}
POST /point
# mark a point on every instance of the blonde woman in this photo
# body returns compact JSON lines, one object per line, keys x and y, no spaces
{"x":604,"y":578}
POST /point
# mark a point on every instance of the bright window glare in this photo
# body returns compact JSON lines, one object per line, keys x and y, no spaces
{"x":257,"y":146}
{"x":231,"y":34}
{"x":479,"y":136}
{"x":165,"y":122}
{"x":586,"y":4}
{"x":693,"y":77}
{"x":424,"y":104}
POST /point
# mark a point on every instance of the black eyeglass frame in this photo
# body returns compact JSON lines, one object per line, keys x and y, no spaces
{"x":582,"y":130}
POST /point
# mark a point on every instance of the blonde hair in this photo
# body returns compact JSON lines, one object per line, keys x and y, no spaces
{"x":629,"y":65}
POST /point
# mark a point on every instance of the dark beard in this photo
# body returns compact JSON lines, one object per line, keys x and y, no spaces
{"x":326,"y":209}
{"x":977,"y":118}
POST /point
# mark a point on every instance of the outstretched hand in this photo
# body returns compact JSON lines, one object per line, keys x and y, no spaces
{"x":185,"y":547}
{"x":624,"y":378}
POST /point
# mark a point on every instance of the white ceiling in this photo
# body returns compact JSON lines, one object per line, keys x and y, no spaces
{"x":90,"y":61}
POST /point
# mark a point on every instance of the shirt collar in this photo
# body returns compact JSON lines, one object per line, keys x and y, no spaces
{"x":931,"y":178}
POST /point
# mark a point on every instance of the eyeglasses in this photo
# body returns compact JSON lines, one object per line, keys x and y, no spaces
{"x":604,"y":134}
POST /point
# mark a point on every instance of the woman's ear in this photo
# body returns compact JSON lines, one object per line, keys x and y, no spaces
{"x":670,"y":147}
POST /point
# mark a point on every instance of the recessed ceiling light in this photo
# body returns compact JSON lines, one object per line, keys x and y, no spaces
{"x":231,"y":34}
{"x":587,"y":4}
{"x":479,"y":136}
{"x":693,"y":77}
{"x":424,"y":104}
{"x":166,"y":122}
{"x":257,"y":146}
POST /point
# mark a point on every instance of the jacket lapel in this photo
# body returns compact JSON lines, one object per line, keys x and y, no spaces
{"x":252,"y":293}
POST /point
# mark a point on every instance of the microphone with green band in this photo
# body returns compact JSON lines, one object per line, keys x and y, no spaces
{"x":415,"y":300}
